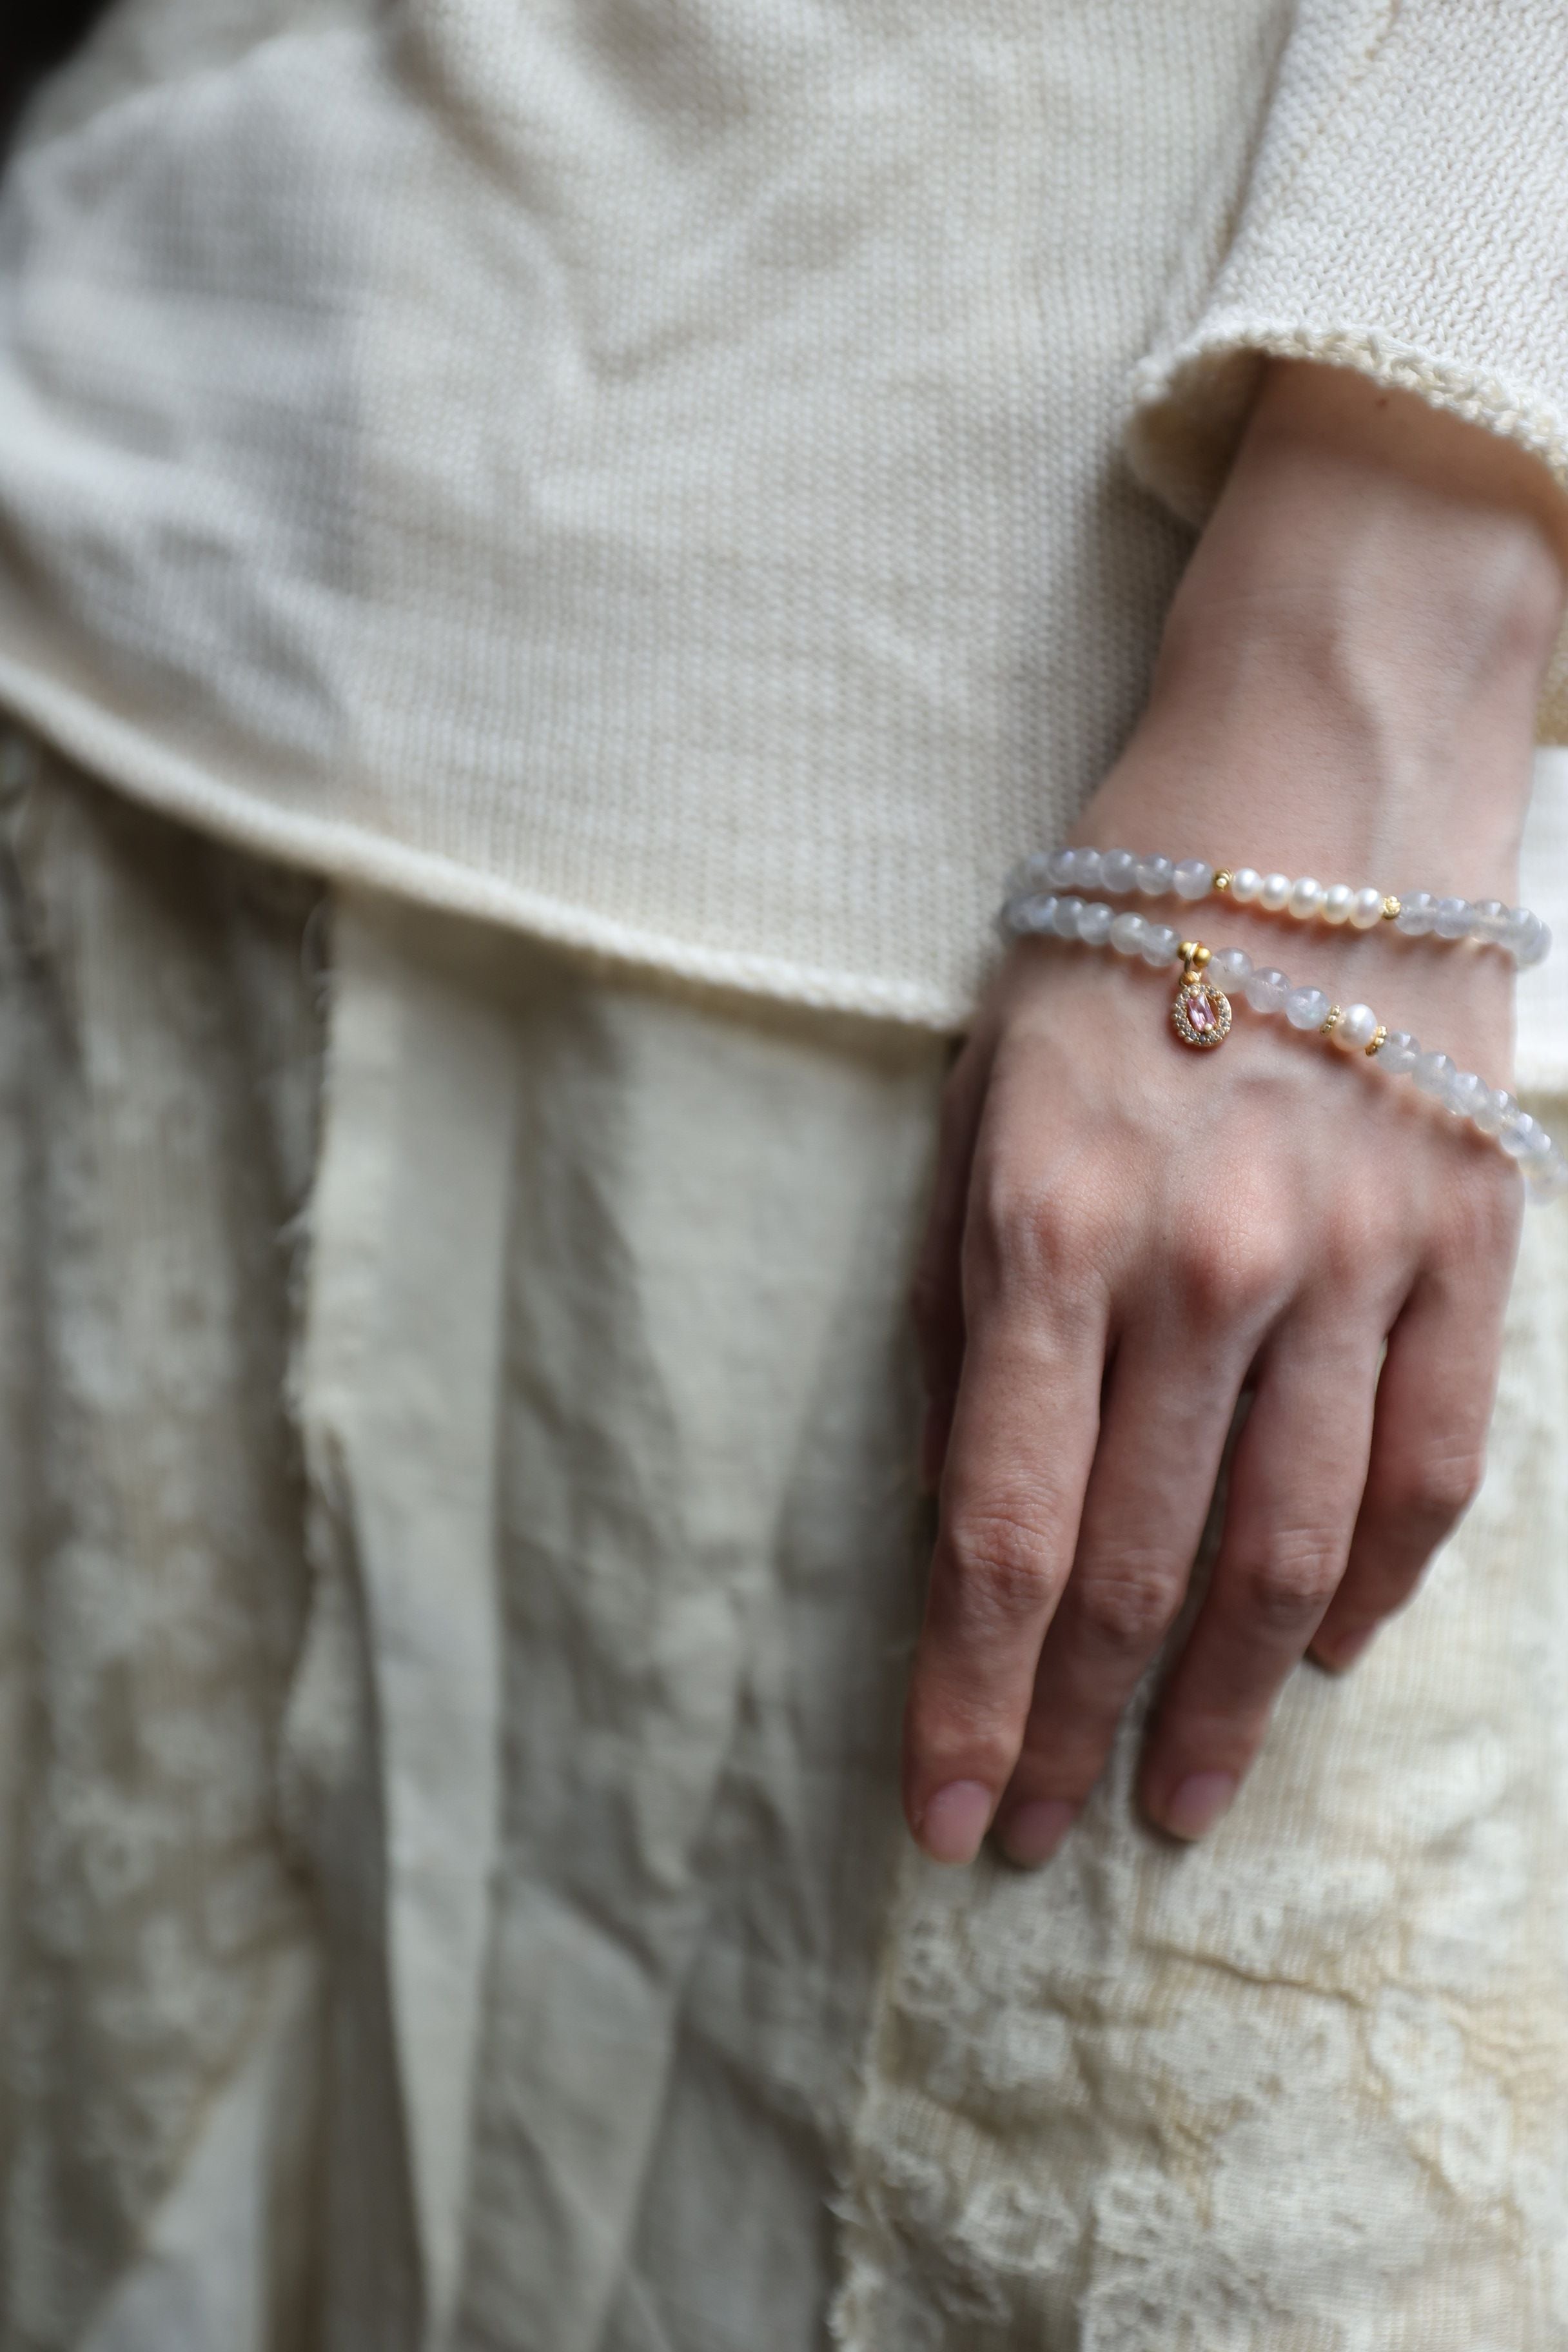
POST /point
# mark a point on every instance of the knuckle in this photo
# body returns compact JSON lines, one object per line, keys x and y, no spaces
{"x":1232,"y":1271}
{"x":1001,"y":1564}
{"x":1440,"y":1487}
{"x":1023,"y":1234}
{"x":1125,"y":1604}
{"x":1293,"y":1579}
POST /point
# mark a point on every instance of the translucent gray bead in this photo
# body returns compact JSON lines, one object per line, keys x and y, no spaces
{"x":1066,"y":915}
{"x":1230,"y":966}
{"x":1525,"y":1138}
{"x":1036,"y":913}
{"x":1160,"y":945}
{"x":1155,"y":875}
{"x":1416,"y":914}
{"x":1452,"y":919}
{"x":1191,"y":878}
{"x":1094,"y":924}
{"x":1493,"y":1115}
{"x":1086,"y":868}
{"x":1060,"y":868}
{"x":1490,"y":920}
{"x":1265,"y":990}
{"x":1537,"y":947}
{"x":1468,"y":1091}
{"x":1434,"y":1074}
{"x":1307,"y":1008}
{"x":1118,"y":871}
{"x":1127,"y":934}
{"x":1397,"y":1053}
{"x":1547,"y":1177}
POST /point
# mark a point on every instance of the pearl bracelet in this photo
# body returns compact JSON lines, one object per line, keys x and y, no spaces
{"x":1201,"y":1016}
{"x":1523,"y":935}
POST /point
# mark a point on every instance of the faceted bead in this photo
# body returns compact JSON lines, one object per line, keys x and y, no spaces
{"x":1230,"y":966}
{"x":1127,"y":934}
{"x":1160,"y":944}
{"x":1118,"y":871}
{"x":1356,"y":1026}
{"x":1337,"y":903}
{"x":1191,"y":878}
{"x":1306,"y":898}
{"x":1434,"y":1073}
{"x":1274,"y":892}
{"x":1307,"y":1008}
{"x":1094,"y":923}
{"x":1453,"y":918}
{"x":1155,"y":875}
{"x":1398,"y":1052}
{"x":1265,"y":990}
{"x":1245,"y":885}
{"x":1416,"y":914}
{"x":1066,"y":915}
{"x":1366,"y":909}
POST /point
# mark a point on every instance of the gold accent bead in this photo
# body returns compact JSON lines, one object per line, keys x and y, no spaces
{"x":1390,"y":910}
{"x":1336,"y":1014}
{"x":1223,"y":878}
{"x":1378,"y":1037}
{"x":1192,"y":953}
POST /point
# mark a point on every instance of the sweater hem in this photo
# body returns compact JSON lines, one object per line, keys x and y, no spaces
{"x":352,"y":856}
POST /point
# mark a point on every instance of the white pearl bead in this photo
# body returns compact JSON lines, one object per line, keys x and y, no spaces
{"x":1245,"y":885}
{"x":1118,"y":872}
{"x":1398,"y":1052}
{"x":1155,"y":875}
{"x":1231,"y":966}
{"x":1265,"y":990}
{"x":1434,"y":1074}
{"x":1275,"y":892}
{"x":1357,"y":1025}
{"x":1306,"y":898}
{"x":1193,"y":879}
{"x":1416,"y":914}
{"x":1453,"y":918}
{"x":1306,"y":1008}
{"x":1337,"y":903}
{"x":1127,"y":934}
{"x":1094,"y":924}
{"x":1366,"y":909}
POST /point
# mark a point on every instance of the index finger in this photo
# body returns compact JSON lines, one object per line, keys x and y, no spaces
{"x":1023,"y":1438}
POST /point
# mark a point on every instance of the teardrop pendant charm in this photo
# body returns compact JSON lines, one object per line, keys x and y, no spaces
{"x":1200,"y":1012}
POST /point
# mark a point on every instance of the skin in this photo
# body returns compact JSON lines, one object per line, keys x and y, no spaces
{"x":1125,"y":1235}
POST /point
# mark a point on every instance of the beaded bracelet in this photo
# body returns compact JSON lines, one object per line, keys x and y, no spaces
{"x":1523,"y":935}
{"x":1201,"y":1016}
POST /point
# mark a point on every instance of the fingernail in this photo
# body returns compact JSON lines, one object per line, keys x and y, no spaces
{"x":1032,"y":1835}
{"x":1198,"y":1803}
{"x":1341,"y":1655}
{"x":954,"y":1822}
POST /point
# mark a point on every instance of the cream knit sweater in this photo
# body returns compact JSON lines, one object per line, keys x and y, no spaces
{"x":695,"y":479}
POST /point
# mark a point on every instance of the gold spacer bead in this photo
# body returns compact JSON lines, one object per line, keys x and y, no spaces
{"x":1223,"y":878}
{"x":1390,"y":910}
{"x":1336,"y":1014}
{"x":1193,"y":954}
{"x":1378,"y":1036}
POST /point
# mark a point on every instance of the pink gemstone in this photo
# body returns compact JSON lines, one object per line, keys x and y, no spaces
{"x":1201,"y":1014}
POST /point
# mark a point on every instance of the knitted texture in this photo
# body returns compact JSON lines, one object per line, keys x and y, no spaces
{"x":657,"y":478}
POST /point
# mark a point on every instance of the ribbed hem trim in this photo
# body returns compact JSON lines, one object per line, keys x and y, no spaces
{"x":123,"y":761}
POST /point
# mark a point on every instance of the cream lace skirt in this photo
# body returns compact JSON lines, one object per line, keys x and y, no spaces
{"x":457,"y":1559}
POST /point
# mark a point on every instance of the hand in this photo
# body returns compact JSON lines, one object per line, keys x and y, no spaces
{"x":1127,"y":1236}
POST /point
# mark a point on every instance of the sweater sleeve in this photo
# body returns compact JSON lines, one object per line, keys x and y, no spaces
{"x":1407,"y":216}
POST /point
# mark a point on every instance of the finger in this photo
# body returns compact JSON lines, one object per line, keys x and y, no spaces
{"x":1428,"y":1447}
{"x":1296,"y":1484}
{"x":936,"y":1295}
{"x":1023,"y":1437}
{"x":1166,"y":1415}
